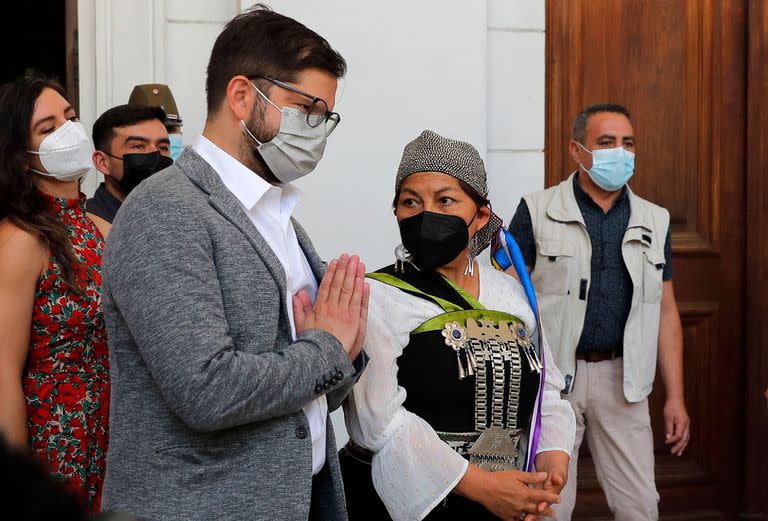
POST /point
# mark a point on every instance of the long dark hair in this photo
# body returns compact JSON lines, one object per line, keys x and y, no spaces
{"x":20,"y":201}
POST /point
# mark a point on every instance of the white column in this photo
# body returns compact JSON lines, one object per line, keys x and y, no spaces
{"x":515,"y":101}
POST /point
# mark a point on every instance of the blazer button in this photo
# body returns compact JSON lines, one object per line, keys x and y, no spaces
{"x":340,"y":375}
{"x":318,"y":388}
{"x":301,"y":432}
{"x":334,"y":380}
{"x":327,"y":384}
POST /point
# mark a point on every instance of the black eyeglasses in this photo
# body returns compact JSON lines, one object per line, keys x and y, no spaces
{"x":318,"y":112}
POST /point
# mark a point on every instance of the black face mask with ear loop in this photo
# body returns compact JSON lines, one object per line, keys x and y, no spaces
{"x":434,"y":239}
{"x":138,"y":167}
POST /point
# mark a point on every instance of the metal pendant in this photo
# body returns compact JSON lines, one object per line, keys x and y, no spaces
{"x":471,"y":357}
{"x":455,"y":337}
{"x":524,"y":341}
{"x":470,"y":369}
{"x":462,"y":373}
{"x":496,"y":449}
{"x":535,"y":358}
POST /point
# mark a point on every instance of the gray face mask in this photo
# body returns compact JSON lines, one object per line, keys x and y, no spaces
{"x":296,"y":149}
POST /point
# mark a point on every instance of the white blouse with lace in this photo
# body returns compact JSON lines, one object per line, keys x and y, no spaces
{"x":413,"y":470}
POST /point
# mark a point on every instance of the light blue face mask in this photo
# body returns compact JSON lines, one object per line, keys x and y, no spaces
{"x":177,"y":146}
{"x":612,"y":168}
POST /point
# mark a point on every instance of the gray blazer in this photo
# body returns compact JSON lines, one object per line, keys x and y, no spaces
{"x":208,"y":386}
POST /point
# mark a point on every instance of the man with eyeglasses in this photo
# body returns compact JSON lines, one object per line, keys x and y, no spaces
{"x":230,"y":342}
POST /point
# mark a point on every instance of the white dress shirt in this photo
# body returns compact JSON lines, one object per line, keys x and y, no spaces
{"x":413,"y":469}
{"x":269,"y":208}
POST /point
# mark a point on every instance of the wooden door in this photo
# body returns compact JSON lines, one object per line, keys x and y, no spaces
{"x":679,"y":66}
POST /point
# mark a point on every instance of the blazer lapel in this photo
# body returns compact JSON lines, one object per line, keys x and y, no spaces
{"x":228,"y":206}
{"x":220,"y":198}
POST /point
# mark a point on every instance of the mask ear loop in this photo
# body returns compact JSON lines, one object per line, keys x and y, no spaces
{"x":266,"y":98}
{"x":37,"y":153}
{"x":245,"y":127}
{"x":588,"y":151}
{"x":242,"y":122}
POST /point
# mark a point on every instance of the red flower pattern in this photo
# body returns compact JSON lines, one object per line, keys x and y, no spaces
{"x":66,"y":380}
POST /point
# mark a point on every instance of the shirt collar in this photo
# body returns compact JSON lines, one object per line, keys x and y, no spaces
{"x":109,"y":201}
{"x":247,"y":186}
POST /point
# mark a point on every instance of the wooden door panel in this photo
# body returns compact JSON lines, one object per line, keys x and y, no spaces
{"x":679,"y":67}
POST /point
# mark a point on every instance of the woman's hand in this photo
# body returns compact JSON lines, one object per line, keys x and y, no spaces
{"x":555,"y":464}
{"x":507,"y":494}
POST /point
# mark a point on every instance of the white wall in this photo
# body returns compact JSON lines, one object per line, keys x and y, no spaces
{"x":412,"y":66}
{"x":469,"y":70}
{"x":123,"y":44}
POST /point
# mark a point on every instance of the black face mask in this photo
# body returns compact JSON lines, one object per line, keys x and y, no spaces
{"x":434,"y":239}
{"x":138,"y":167}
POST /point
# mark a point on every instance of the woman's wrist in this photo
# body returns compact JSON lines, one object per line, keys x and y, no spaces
{"x":470,"y":485}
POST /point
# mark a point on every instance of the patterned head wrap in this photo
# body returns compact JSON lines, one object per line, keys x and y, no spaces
{"x":431,"y":152}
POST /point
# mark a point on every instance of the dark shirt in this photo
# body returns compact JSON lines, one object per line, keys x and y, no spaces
{"x":103,"y":204}
{"x":610,"y":291}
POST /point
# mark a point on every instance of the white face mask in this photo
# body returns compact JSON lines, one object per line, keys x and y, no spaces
{"x":66,"y":153}
{"x":296,"y":149}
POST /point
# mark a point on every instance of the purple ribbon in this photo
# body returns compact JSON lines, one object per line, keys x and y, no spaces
{"x":537,"y":428}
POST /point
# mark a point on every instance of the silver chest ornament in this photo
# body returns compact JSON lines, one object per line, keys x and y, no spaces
{"x":458,"y":338}
{"x":483,"y":346}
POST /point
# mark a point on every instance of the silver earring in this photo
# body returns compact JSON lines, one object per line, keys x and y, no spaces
{"x":471,"y":249}
{"x":401,"y":257}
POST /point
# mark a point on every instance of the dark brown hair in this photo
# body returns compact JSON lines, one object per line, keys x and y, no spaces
{"x":20,"y":200}
{"x":580,"y":123}
{"x":261,"y":42}
{"x":122,"y":116}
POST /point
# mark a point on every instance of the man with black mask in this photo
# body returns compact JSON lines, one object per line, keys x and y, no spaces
{"x":131,"y":144}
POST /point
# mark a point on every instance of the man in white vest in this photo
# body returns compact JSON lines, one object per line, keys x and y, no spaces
{"x":600,"y":260}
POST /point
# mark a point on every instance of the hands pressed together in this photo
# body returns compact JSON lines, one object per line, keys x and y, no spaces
{"x":341,"y":305}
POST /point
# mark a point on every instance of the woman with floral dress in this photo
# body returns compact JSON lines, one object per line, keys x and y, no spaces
{"x":54,"y":366}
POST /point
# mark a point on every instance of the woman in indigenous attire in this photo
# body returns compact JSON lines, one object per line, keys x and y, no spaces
{"x":54,"y":367}
{"x":459,"y":401}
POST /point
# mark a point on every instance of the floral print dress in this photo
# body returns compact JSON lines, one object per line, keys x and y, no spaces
{"x":66,"y":378}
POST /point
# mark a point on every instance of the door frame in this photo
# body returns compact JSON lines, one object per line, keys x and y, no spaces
{"x":71,"y":49}
{"x":756,"y":371}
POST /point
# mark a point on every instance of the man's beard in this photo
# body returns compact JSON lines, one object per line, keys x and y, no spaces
{"x":253,"y":160}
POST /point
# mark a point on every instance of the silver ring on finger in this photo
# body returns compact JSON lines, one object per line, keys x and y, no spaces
{"x":522,"y":515}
